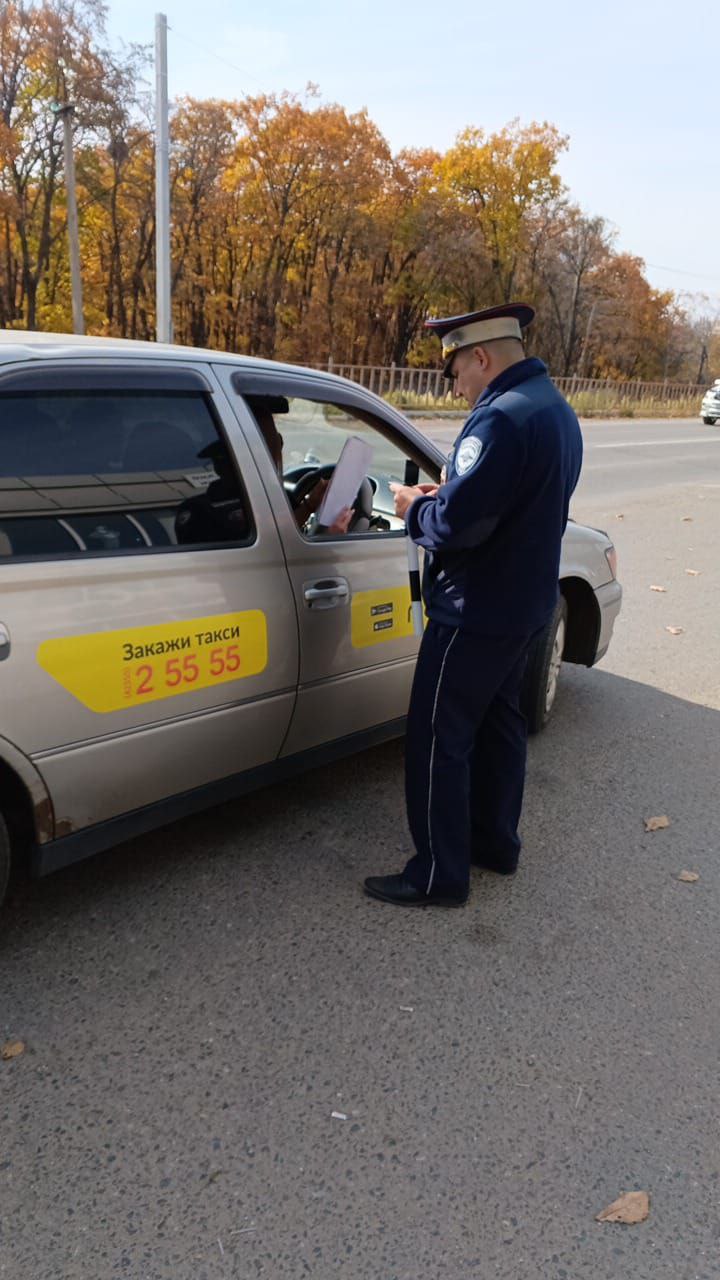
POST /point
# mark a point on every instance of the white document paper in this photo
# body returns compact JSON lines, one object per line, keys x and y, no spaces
{"x":350,"y":471}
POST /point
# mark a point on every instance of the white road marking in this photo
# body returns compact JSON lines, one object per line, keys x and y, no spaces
{"x":614,"y":464}
{"x":639,"y":444}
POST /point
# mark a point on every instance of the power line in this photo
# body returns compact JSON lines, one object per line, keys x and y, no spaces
{"x":211,"y":54}
{"x":698,"y":275}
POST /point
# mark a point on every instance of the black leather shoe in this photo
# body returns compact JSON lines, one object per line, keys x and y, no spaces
{"x":402,"y":893}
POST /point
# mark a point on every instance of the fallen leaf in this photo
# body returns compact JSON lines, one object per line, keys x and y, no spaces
{"x":12,"y":1049}
{"x":632,"y":1207}
{"x":687,"y":519}
{"x":620,"y":516}
{"x":655,"y":588}
{"x":657,"y":824}
{"x":689,"y":877}
{"x":675,"y":631}
{"x":694,"y":573}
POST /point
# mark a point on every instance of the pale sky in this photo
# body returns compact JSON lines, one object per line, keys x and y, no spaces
{"x":634,"y":85}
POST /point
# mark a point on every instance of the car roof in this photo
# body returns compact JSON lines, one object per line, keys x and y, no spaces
{"x":21,"y":344}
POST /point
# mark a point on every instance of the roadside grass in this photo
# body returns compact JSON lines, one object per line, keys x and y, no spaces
{"x":587,"y":404}
{"x":608,"y":404}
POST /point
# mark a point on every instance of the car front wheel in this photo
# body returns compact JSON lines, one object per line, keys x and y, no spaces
{"x":543,"y":670}
{"x":709,"y":422}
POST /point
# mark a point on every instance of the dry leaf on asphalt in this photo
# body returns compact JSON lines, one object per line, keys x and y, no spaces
{"x":653,"y":587}
{"x":689,"y":877}
{"x":687,"y":519}
{"x":631,"y":1208}
{"x":694,"y":573}
{"x":621,"y":516}
{"x":675,"y":631}
{"x":12,"y":1049}
{"x":657,"y":824}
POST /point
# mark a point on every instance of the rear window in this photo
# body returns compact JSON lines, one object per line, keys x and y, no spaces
{"x":85,"y":473}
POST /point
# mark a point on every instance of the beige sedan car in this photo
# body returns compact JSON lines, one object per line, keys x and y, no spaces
{"x":172,"y":631}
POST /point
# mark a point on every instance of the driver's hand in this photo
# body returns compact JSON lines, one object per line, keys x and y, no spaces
{"x":310,"y":504}
{"x":316,"y":495}
{"x":342,"y":523}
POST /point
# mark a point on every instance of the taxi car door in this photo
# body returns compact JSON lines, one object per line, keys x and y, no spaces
{"x":150,"y":625}
{"x":357,"y":647}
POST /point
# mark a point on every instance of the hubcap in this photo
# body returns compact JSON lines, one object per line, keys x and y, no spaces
{"x":554,"y":668}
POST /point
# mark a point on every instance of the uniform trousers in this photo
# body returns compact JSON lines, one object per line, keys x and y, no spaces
{"x":465,"y":755}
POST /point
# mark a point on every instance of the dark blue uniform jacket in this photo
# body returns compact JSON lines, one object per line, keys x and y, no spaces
{"x":493,"y":531}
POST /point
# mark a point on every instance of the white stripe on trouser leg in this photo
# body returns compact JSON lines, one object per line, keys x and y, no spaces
{"x":432,"y":761}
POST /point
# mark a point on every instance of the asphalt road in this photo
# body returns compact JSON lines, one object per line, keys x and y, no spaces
{"x":629,"y":456}
{"x":199,"y":1002}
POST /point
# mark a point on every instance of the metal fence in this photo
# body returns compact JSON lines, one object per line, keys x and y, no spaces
{"x":386,"y":380}
{"x":428,"y":384}
{"x":633,"y":390}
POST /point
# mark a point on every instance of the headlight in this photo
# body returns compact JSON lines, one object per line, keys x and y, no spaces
{"x":611,"y":557}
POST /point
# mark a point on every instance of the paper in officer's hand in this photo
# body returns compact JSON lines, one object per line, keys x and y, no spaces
{"x":350,"y":471}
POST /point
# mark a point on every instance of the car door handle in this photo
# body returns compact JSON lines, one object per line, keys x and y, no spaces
{"x":326,"y":593}
{"x":4,"y":642}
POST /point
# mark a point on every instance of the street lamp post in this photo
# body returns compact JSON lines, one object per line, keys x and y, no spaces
{"x":163,"y":324}
{"x":65,"y":112}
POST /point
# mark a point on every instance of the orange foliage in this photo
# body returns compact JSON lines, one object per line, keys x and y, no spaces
{"x":295,"y":232}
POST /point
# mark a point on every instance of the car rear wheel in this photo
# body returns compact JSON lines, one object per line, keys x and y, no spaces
{"x":5,"y":859}
{"x":543,"y":670}
{"x":709,"y":422}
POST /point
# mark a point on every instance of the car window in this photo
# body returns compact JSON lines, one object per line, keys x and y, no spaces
{"x":304,"y":435}
{"x":84,"y":473}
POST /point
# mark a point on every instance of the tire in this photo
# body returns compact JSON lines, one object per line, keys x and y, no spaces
{"x":543,"y":670}
{"x":5,"y":859}
{"x":709,"y":422}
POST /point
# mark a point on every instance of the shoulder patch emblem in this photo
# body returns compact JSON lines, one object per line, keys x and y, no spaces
{"x":467,"y":455}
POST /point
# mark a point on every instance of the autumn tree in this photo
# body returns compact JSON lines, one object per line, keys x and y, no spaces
{"x":204,"y":135}
{"x":626,"y":337}
{"x":295,"y":233}
{"x":568,"y":261}
{"x":304,"y":179}
{"x":50,"y":54}
{"x":694,"y":338}
{"x":505,"y":180}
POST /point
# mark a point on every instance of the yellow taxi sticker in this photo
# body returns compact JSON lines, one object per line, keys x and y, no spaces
{"x":111,"y":670}
{"x":382,"y":615}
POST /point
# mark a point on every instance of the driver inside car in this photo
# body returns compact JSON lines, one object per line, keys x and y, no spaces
{"x":219,"y":514}
{"x":264,"y":408}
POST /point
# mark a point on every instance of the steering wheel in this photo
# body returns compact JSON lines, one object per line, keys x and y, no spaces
{"x":308,"y":478}
{"x":362,"y":506}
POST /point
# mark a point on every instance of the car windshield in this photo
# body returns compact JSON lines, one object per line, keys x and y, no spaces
{"x":316,"y":432}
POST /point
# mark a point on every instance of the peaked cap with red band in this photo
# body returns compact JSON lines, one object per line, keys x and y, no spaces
{"x":507,"y":321}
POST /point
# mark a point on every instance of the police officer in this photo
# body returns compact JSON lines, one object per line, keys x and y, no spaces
{"x":492,"y":532}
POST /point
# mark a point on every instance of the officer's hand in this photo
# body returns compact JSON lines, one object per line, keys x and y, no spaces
{"x":404,"y":494}
{"x":429,"y":489}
